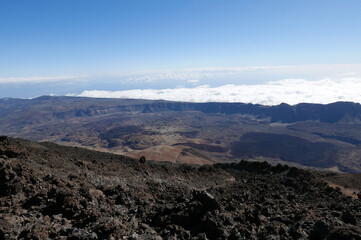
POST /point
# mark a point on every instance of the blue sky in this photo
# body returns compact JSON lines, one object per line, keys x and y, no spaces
{"x":90,"y":45}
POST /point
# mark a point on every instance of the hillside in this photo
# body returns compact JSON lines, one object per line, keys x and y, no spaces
{"x":55,"y":192}
{"x":311,"y":135}
{"x":69,"y":107}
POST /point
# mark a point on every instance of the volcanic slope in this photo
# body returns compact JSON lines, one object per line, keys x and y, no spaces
{"x":49,"y":191}
{"x":323,"y":136}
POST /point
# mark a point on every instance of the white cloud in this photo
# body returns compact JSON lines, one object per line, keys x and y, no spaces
{"x":291,"y":91}
{"x":193,"y":81}
{"x":238,"y":73}
{"x":349,"y":74}
{"x":229,"y":75}
{"x":43,"y":79}
{"x":190,"y":75}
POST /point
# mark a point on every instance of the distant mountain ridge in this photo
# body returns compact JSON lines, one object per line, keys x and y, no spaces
{"x":312,"y":135}
{"x":65,"y":107}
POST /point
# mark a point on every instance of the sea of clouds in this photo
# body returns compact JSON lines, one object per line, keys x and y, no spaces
{"x":322,"y":83}
{"x":291,"y":91}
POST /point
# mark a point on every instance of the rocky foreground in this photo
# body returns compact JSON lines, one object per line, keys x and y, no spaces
{"x":53,"y":192}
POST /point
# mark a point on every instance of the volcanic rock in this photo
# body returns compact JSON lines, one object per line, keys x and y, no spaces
{"x":46,"y":194}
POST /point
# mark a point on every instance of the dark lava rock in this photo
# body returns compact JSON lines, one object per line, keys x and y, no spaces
{"x":347,"y":217}
{"x":142,"y":159}
{"x":207,"y":200}
{"x":345,"y":233}
{"x":53,"y":192}
{"x":320,"y":230}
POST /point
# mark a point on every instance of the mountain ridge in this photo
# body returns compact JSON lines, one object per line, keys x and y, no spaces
{"x":284,"y":113}
{"x":199,"y":133}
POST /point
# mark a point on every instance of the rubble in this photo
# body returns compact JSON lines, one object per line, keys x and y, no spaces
{"x":114,"y":197}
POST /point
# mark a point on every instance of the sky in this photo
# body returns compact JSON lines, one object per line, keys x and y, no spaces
{"x":261,"y":51}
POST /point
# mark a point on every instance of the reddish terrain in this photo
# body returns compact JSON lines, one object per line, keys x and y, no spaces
{"x":311,"y":135}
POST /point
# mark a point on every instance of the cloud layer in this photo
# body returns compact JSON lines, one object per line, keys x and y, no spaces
{"x":258,"y":84}
{"x":227,"y":75}
{"x":235,"y":75}
{"x":8,"y":80}
{"x":291,"y":91}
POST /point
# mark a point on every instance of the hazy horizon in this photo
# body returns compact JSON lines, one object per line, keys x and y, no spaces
{"x":229,"y":51}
